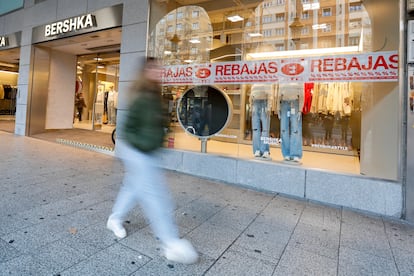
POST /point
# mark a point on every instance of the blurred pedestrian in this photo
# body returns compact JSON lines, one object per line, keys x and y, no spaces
{"x":144,"y":182}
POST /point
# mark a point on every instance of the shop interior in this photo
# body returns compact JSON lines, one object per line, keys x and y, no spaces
{"x":82,"y":84}
{"x":9,"y":73}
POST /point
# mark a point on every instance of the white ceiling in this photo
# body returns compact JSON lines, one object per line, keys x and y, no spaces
{"x":97,"y":42}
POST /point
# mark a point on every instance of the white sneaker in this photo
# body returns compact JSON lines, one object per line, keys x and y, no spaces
{"x":296,"y":159}
{"x":266,"y":155}
{"x":287,"y":158}
{"x":116,"y":226}
{"x":257,"y":153}
{"x":180,"y":251}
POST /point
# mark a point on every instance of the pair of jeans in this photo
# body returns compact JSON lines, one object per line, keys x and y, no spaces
{"x":144,"y":184}
{"x":260,"y":125}
{"x":291,"y":129}
{"x":111,"y":113}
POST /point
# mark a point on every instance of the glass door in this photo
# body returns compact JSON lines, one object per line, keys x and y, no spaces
{"x":96,"y":98}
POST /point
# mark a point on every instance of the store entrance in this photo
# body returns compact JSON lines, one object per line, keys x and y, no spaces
{"x":74,"y":94}
{"x":96,"y":93}
{"x":9,"y":73}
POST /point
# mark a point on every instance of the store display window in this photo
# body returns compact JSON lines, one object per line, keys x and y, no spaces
{"x":310,"y":83}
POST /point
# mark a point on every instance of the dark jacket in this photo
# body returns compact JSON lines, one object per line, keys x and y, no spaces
{"x":144,"y":127}
{"x":80,"y":102}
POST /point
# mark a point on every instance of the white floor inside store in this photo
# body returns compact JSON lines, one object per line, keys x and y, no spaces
{"x":87,"y":124}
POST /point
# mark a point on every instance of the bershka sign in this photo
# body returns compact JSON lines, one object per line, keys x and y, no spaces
{"x":4,"y":42}
{"x":92,"y":21}
{"x":378,"y":66}
{"x":70,"y":25}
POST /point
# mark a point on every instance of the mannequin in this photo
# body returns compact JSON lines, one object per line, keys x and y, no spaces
{"x":261,"y":102}
{"x":112,"y":105}
{"x":290,"y":99}
{"x":99,"y":106}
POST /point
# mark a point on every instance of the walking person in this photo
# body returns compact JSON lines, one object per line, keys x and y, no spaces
{"x":143,"y":182}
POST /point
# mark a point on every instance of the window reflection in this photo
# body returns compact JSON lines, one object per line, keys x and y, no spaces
{"x":279,"y":29}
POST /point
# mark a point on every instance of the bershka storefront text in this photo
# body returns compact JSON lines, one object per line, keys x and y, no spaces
{"x":98,"y":20}
{"x":380,"y":66}
{"x":70,"y":25}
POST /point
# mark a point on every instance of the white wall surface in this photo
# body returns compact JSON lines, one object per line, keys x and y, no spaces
{"x":60,"y":101}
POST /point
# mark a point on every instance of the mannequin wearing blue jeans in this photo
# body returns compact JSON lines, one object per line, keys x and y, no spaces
{"x":291,"y":130}
{"x":291,"y":98}
{"x":261,"y":101}
{"x":260,"y":126}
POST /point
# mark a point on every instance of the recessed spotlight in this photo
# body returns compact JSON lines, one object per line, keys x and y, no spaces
{"x":235,"y":18}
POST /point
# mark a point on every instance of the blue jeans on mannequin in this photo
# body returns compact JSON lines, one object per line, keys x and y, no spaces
{"x":260,"y":125}
{"x":291,"y":129}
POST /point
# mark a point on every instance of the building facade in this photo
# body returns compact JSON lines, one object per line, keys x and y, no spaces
{"x":305,"y":98}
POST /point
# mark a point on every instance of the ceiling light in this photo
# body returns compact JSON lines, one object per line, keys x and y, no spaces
{"x":319,"y":26}
{"x":11,"y":65}
{"x":188,"y":61}
{"x":9,"y":72}
{"x":194,"y":40}
{"x":235,"y":18}
{"x":296,"y":28}
{"x":98,"y":59}
{"x":254,"y":34}
{"x":175,"y":39}
{"x":311,"y":6}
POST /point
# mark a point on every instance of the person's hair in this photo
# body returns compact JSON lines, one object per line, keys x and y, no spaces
{"x":143,"y":83}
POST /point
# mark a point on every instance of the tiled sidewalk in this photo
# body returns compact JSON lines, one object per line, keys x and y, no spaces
{"x":55,"y":200}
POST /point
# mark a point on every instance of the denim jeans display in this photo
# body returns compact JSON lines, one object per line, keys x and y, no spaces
{"x":260,"y":125}
{"x":291,"y":129}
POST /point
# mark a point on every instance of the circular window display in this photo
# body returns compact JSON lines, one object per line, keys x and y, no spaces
{"x":204,"y":111}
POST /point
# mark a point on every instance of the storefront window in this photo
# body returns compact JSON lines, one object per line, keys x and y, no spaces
{"x":313,"y":83}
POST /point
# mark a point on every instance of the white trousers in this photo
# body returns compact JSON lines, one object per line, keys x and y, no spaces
{"x":144,"y":184}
